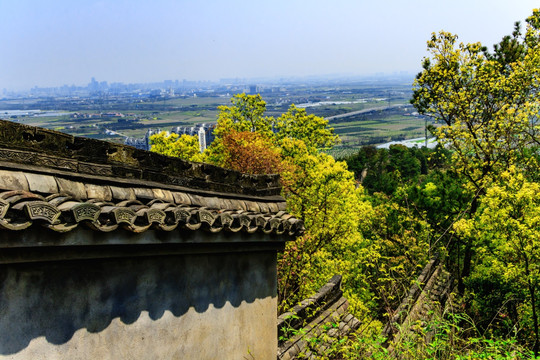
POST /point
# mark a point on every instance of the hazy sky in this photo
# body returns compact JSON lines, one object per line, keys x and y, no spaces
{"x":55,"y":42}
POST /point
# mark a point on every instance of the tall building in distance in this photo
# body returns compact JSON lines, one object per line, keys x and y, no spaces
{"x":144,"y":142}
{"x":202,"y":139}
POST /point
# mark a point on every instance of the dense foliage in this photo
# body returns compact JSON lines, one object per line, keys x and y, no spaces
{"x":379,"y":215}
{"x":487,"y":105}
{"x":183,"y":146}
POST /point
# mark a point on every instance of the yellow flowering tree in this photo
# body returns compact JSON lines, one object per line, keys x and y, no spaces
{"x":487,"y":107}
{"x":485,"y":111}
{"x":245,"y":114}
{"x":312,"y":130}
{"x":508,"y":248}
{"x":183,"y":146}
{"x":323,"y":192}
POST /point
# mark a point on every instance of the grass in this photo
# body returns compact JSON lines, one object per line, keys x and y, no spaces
{"x":358,"y":132}
{"x":197,"y":101}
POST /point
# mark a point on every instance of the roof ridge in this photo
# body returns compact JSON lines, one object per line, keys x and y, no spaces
{"x":33,"y":146}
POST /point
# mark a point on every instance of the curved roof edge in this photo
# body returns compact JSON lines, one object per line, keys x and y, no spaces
{"x":20,"y":209}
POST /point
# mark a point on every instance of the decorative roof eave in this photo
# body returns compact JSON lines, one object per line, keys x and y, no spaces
{"x":61,"y":213}
{"x":63,"y":203}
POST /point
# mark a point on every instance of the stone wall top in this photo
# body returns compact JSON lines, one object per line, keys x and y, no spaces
{"x":49,"y":149}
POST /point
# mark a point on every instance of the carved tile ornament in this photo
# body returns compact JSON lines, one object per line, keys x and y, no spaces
{"x":40,"y":210}
{"x":124,"y":215}
{"x":181,"y":215}
{"x":206,"y":216}
{"x":155,"y":216}
{"x":32,"y":158}
{"x":86,"y":211}
{"x":62,"y":213}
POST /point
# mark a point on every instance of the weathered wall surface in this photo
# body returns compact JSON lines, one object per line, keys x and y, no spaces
{"x":183,"y":306}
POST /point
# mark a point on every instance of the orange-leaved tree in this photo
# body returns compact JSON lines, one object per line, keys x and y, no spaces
{"x":250,"y":152}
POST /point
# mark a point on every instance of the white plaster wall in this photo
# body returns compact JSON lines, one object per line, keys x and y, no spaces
{"x":192,"y":336}
{"x":202,"y":306}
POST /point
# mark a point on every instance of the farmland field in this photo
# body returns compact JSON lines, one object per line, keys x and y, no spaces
{"x":362,"y":113}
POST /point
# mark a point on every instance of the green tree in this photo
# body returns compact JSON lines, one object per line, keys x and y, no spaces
{"x":383,"y":170}
{"x":312,"y":130}
{"x":183,"y":146}
{"x":245,"y":114}
{"x":487,"y":108}
{"x":509,"y":50}
{"x":508,"y":245}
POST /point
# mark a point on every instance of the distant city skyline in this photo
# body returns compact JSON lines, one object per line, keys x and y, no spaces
{"x":52,"y":43}
{"x":103,"y":84}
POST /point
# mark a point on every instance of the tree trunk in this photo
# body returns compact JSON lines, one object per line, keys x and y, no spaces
{"x":467,"y":256}
{"x":535,"y":318}
{"x":532,"y":291}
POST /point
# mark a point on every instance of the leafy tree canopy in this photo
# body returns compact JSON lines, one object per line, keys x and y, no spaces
{"x":245,"y":114}
{"x":312,"y":130}
{"x":250,"y":152}
{"x":183,"y":146}
{"x":508,"y":247}
{"x":487,"y":107}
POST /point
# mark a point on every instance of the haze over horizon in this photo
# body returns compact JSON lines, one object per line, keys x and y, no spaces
{"x":49,"y":44}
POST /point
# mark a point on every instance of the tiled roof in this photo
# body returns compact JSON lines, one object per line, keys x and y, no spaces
{"x":20,"y":209}
{"x":62,"y":193}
